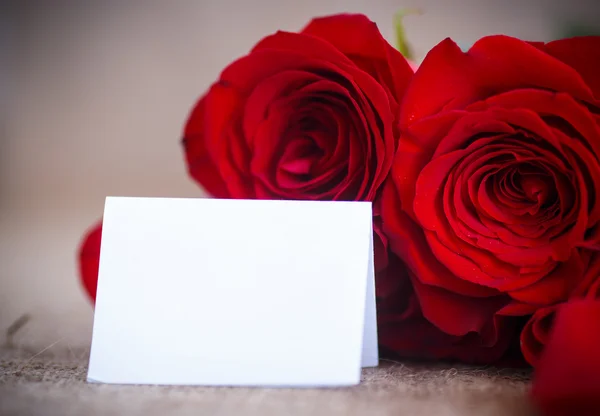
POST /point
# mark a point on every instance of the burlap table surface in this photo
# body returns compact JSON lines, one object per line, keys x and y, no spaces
{"x":53,"y":383}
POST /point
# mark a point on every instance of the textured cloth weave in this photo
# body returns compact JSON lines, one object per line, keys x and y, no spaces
{"x":53,"y":383}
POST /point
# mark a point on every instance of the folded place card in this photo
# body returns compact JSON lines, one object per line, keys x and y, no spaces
{"x":234,"y":293}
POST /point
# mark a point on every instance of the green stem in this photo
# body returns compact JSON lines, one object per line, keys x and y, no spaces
{"x":401,"y":41}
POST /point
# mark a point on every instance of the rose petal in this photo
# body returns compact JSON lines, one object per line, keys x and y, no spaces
{"x":311,"y":47}
{"x":541,"y":103}
{"x":451,"y":79}
{"x":222,"y":102}
{"x":380,"y":248}
{"x":581,"y":54}
{"x":588,"y":285}
{"x":455,"y":314}
{"x":556,"y":286}
{"x":89,"y":260}
{"x":200,"y":164}
{"x":467,"y":265}
{"x":407,"y":240}
{"x":567,"y":377}
{"x":535,"y":333}
{"x":563,"y":107}
{"x":477,"y":125}
{"x":356,"y":35}
{"x":445,"y":244}
{"x":515,"y":308}
{"x":414,"y":152}
{"x":267,"y":95}
{"x":404,"y":332}
{"x":415,"y":337}
{"x":308,"y":52}
{"x":282,"y":122}
{"x":429,"y":189}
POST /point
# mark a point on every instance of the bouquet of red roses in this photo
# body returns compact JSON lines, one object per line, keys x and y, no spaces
{"x":484,"y":172}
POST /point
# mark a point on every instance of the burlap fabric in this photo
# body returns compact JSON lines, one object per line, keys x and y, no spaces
{"x":53,"y":383}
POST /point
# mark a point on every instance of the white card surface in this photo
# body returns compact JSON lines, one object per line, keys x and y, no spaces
{"x":234,"y":293}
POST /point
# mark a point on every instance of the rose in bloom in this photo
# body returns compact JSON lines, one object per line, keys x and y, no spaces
{"x":89,"y":260}
{"x":309,"y":115}
{"x":493,"y":194}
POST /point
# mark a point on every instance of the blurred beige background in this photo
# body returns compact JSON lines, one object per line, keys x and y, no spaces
{"x":93,"y":96}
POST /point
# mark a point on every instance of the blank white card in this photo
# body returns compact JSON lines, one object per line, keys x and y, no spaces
{"x":234,"y":293}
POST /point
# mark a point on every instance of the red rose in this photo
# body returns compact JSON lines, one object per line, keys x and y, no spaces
{"x":309,"y":115}
{"x":404,"y":331}
{"x":494,"y":189}
{"x":89,"y":260}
